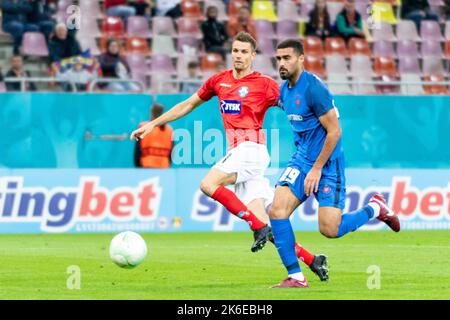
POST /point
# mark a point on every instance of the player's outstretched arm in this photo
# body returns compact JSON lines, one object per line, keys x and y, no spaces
{"x":178,"y":111}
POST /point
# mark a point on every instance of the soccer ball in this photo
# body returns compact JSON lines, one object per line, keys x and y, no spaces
{"x":127,"y":249}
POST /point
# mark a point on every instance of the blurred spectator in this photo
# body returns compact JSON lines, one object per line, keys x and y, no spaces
{"x":169,"y":8}
{"x":42,"y":17}
{"x":62,"y":45}
{"x":17,"y":71}
{"x":214,"y":34}
{"x":187,"y":86}
{"x":349,"y":22}
{"x":154,"y":151}
{"x":417,"y":10}
{"x":243,"y":22}
{"x":15,"y":20}
{"x":447,"y":9}
{"x":144,"y":7}
{"x":77,"y":75}
{"x":113,"y":65}
{"x":119,"y":8}
{"x":319,"y":21}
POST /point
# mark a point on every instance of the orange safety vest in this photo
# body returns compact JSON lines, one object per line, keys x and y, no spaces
{"x":156,"y":147}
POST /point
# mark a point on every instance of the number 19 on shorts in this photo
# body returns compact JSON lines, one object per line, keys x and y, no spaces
{"x":290,"y":175}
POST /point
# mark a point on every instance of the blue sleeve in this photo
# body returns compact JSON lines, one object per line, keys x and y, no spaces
{"x":320,"y":98}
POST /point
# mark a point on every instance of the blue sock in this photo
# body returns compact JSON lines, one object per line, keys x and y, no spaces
{"x":353,"y":220}
{"x":285,"y":243}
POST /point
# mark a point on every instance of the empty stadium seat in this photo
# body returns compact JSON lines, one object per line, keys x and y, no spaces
{"x":335,"y":45}
{"x":384,"y":32}
{"x":210,"y":61}
{"x":359,"y":46}
{"x":91,"y":9}
{"x":137,"y":63}
{"x":313,"y":46}
{"x":411,"y":85}
{"x":191,"y":42}
{"x":288,"y":10}
{"x":88,"y":43}
{"x":337,"y":84}
{"x":431,"y":48}
{"x":264,"y":65}
{"x":163,"y":26}
{"x":334,"y":8}
{"x":388,"y":87}
{"x":33,"y":44}
{"x":336,"y":64}
{"x":162,"y":63}
{"x":385,"y":66}
{"x":113,"y":27}
{"x":163,"y":44}
{"x":408,"y":65}
{"x":266,"y":46}
{"x":361,"y":65}
{"x":264,"y":29}
{"x":137,"y":45}
{"x":287,"y":29}
{"x":191,"y":9}
{"x":314,"y":64}
{"x":138,"y":26}
{"x":407,"y":48}
{"x":435,"y":89}
{"x":432,"y":66}
{"x":305,"y":10}
{"x":430,"y":30}
{"x":89,"y":28}
{"x":447,"y":30}
{"x":363,"y":85}
{"x":188,"y":27}
{"x":447,"y":49}
{"x":406,"y":30}
{"x":264,"y":10}
{"x":159,"y":84}
{"x":383,"y":49}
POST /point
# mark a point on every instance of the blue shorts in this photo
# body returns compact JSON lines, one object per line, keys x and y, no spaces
{"x":331,"y":191}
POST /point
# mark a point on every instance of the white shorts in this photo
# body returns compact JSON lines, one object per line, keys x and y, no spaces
{"x":249,"y":160}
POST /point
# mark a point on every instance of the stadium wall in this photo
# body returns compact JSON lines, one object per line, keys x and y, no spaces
{"x":113,"y":200}
{"x":45,"y":130}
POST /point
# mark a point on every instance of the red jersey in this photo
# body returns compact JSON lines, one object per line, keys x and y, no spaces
{"x":242,"y":103}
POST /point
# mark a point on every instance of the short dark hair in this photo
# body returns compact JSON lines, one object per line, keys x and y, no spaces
{"x":157,"y":110}
{"x":193,"y":64}
{"x":295,"y":44}
{"x":246,"y":37}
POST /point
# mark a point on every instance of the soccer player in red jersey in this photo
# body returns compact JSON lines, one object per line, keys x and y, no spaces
{"x":244,"y":97}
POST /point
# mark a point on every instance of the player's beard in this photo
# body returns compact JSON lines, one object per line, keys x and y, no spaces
{"x":284,"y":74}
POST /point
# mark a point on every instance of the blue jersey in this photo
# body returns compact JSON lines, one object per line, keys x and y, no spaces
{"x":304,"y":103}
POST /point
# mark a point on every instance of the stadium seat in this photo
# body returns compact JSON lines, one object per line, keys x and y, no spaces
{"x":191,"y":9}
{"x":335,"y":45}
{"x":162,"y":63}
{"x":334,"y":8}
{"x":411,"y":85}
{"x":338,"y":83}
{"x":137,"y":63}
{"x":188,"y":27}
{"x":137,"y":45}
{"x":163,"y":26}
{"x":408,"y":65}
{"x":33,"y":44}
{"x":163,"y":44}
{"x":264,"y":10}
{"x":138,"y":26}
{"x":113,"y":27}
{"x":336,"y":64}
{"x":305,"y":10}
{"x":430,"y":30}
{"x":210,"y":61}
{"x":406,"y":30}
{"x":2,"y":87}
{"x":362,"y":85}
{"x":384,"y":32}
{"x":359,"y":46}
{"x":288,"y":10}
{"x":435,"y":89}
{"x":385,"y":66}
{"x":287,"y":29}
{"x":221,"y":10}
{"x":264,"y":65}
{"x":266,"y":46}
{"x":313,"y":46}
{"x":447,"y":49}
{"x":234,"y":5}
{"x":362,"y":7}
{"x":384,"y":49}
{"x":407,"y":48}
{"x":361,"y":65}
{"x":383,"y":12}
{"x":314,"y":64}
{"x":431,"y":48}
{"x":90,"y":8}
{"x":264,"y":29}
{"x":191,"y":42}
{"x":89,"y":28}
{"x":447,"y":30}
{"x":159,"y":84}
{"x":88,"y":43}
{"x":388,"y":87}
{"x":432,"y":66}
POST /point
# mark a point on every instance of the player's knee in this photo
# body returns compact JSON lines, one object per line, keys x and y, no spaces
{"x":277,"y":212}
{"x":329,"y":230}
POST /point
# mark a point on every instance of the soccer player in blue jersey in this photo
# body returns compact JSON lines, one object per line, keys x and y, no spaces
{"x":317,"y":166}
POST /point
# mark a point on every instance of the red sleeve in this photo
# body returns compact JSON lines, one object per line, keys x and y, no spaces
{"x":273,"y":93}
{"x":207,"y":90}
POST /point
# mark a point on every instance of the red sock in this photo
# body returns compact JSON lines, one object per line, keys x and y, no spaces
{"x":229,"y":200}
{"x":303,"y":254}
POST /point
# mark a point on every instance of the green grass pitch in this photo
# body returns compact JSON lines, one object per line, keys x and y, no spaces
{"x":413,"y":265}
